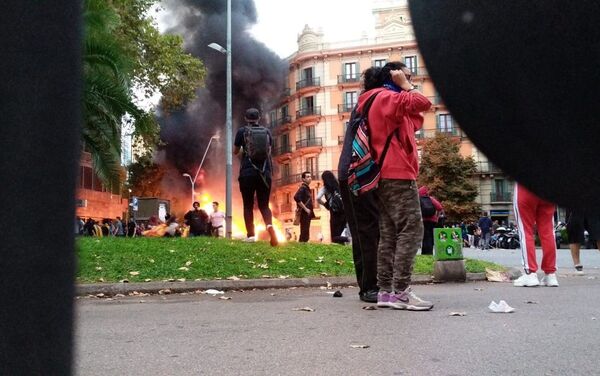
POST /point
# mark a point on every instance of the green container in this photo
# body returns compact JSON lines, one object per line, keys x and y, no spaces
{"x":447,"y":243}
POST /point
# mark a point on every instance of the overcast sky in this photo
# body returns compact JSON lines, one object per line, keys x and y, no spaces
{"x":280,"y":21}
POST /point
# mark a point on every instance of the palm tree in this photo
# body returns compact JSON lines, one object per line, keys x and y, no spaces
{"x":107,"y":91}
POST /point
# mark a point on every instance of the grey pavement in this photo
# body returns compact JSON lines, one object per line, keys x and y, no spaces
{"x":590,"y":258}
{"x":258,"y":333}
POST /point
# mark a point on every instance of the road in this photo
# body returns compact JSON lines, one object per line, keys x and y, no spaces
{"x":590,"y":258}
{"x":259,"y":333}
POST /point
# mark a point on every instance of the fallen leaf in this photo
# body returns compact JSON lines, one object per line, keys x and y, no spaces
{"x":142,"y":301}
{"x":181,"y":280}
{"x":188,"y":263}
{"x":134,"y":273}
{"x":233,"y":278}
{"x":306,"y":309}
{"x":369,"y":308}
{"x":172,"y":250}
{"x":272,"y":294}
{"x":496,"y":276}
{"x":124,"y":281}
{"x":184,"y":268}
{"x":119,"y":296}
{"x":301,"y":267}
{"x":225,"y":297}
{"x":329,"y":287}
{"x":324,"y":274}
{"x":360,"y":346}
{"x":100,"y":295}
{"x":100,"y":279}
{"x":339,"y":262}
{"x":458,"y":314}
{"x":151,"y":261}
{"x":284,"y":276}
{"x":147,"y":280}
{"x":478,"y":289}
{"x":281,"y":261}
{"x":293,"y":259}
{"x":265,"y":276}
{"x":164,"y":292}
{"x":98,"y":268}
{"x":319,"y":260}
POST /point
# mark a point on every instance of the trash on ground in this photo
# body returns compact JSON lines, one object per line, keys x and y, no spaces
{"x":458,"y":314}
{"x":213,"y":292}
{"x":124,"y":281}
{"x":284,"y":276}
{"x":305,"y":309}
{"x":496,"y":276}
{"x":500,"y":307}
{"x":164,"y":292}
{"x":478,"y":289}
{"x":134,"y":273}
{"x":337,"y":294}
{"x":233,"y":278}
{"x":329,"y":286}
{"x":531,"y":302}
{"x":593,"y":318}
{"x":360,"y":346}
{"x":225,"y":297}
{"x":369,"y":308}
{"x":184,"y":268}
{"x":592,"y":277}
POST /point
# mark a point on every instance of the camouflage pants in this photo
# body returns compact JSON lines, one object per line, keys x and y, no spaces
{"x":401,"y":232}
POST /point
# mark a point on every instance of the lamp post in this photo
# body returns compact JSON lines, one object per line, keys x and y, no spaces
{"x":193,"y":181}
{"x":228,"y":125}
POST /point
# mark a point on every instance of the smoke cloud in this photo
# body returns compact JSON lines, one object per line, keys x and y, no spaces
{"x":258,"y":77}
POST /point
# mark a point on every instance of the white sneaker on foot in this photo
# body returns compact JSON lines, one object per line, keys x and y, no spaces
{"x":579,"y":269}
{"x":250,"y":239}
{"x":549,"y":280}
{"x":527,"y":280}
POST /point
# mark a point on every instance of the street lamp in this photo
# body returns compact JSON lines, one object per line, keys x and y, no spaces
{"x":228,"y":125}
{"x":193,"y":181}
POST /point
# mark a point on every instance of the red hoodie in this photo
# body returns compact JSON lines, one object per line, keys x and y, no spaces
{"x":389,"y":111}
{"x":424,"y":191}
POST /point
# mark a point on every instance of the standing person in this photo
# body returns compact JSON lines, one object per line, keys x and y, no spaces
{"x":197,"y":219}
{"x":118,"y":227}
{"x":471,"y":228}
{"x":485,"y":225}
{"x":217,"y":219}
{"x":330,"y":197}
{"x":303,"y":198}
{"x":430,"y":208}
{"x":578,"y":221}
{"x":256,"y":142}
{"x":531,"y":210}
{"x":393,"y":119}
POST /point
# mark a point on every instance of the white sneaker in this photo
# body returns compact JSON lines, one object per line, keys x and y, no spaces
{"x":250,"y":239}
{"x":527,"y":280}
{"x":549,"y":280}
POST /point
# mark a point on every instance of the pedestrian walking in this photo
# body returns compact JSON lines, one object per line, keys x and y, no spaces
{"x":579,"y":221}
{"x":197,"y":220}
{"x":485,"y":225}
{"x":303,"y":198}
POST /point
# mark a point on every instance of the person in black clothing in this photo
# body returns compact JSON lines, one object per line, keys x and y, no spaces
{"x":303,"y":198}
{"x":197,"y":219}
{"x":255,"y":176}
{"x":330,"y":197}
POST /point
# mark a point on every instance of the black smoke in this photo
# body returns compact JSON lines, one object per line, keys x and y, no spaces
{"x":258,"y":79}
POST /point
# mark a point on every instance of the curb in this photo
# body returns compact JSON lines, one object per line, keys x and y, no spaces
{"x":111,"y":289}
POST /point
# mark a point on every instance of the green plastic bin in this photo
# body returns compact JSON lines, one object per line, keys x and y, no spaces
{"x":447,"y":244}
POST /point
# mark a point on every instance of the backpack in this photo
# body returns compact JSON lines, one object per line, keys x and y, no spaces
{"x":335,"y":202}
{"x":427,"y":208}
{"x":257,"y":144}
{"x":364,"y":171}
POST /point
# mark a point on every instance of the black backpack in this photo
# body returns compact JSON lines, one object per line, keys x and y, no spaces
{"x":257,"y":144}
{"x":427,"y":208}
{"x":335,"y":202}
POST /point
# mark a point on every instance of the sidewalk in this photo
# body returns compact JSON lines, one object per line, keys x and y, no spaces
{"x":111,"y":289}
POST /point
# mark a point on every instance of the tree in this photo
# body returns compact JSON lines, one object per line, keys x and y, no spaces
{"x":122,"y":50}
{"x":145,"y":177}
{"x":449,"y":177}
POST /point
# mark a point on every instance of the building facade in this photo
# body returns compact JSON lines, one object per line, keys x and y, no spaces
{"x":323,"y":86}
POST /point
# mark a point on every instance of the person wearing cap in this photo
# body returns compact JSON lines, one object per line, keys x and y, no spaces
{"x":197,"y":219}
{"x":255,"y":176}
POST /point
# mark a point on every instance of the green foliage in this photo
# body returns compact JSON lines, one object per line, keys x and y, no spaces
{"x":124,"y":50}
{"x":112,"y":259}
{"x":449,"y":177}
{"x":145,"y":177}
{"x":159,"y":61}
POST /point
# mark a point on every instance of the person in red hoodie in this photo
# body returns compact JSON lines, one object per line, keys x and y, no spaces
{"x":396,"y":111}
{"x":429,"y":222}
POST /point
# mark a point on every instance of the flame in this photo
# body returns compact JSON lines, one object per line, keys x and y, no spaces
{"x":238,"y":227}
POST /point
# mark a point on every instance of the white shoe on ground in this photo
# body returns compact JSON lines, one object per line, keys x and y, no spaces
{"x":549,"y":280}
{"x":527,"y":280}
{"x":250,"y":239}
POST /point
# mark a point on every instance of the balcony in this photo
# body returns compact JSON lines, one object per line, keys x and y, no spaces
{"x":500,"y":197}
{"x":294,"y":179}
{"x":285,"y":208}
{"x":348,"y":78}
{"x":487,"y":168}
{"x":308,"y":82}
{"x":431,"y":133}
{"x":309,"y":143}
{"x":308,"y":114}
{"x":345,"y":107}
{"x":283,"y":149}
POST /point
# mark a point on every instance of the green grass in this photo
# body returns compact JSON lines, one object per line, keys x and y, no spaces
{"x":157,"y":259}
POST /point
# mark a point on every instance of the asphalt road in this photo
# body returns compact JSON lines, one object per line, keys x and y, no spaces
{"x":259,"y":333}
{"x":590,"y":258}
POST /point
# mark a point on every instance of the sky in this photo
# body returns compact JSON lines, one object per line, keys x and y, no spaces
{"x":280,"y":21}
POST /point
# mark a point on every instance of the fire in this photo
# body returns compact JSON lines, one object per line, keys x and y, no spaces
{"x":238,"y":227}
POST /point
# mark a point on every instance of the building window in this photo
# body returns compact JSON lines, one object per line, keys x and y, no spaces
{"x":411,"y":63}
{"x":285,"y":142}
{"x":445,"y":123}
{"x":379,"y":63}
{"x":284,"y":111}
{"x":285,"y":172}
{"x":273,"y":118}
{"x":311,"y":165}
{"x":350,"y":71}
{"x":307,"y":74}
{"x":350,"y":99}
{"x":308,"y":103}
{"x":310,"y":133}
